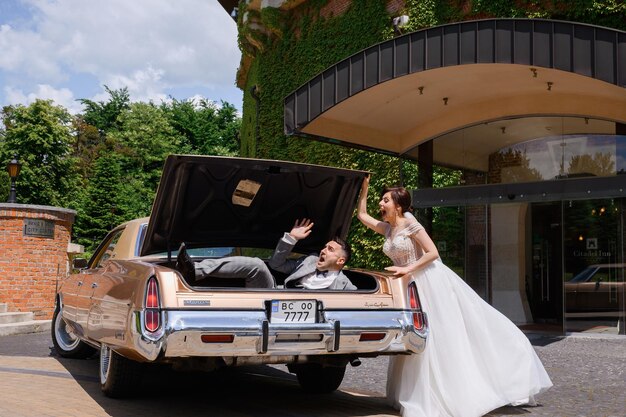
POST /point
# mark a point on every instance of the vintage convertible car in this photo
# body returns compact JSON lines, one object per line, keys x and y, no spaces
{"x":131,"y":303}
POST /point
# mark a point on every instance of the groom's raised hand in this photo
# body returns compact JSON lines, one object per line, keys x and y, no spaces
{"x":301,"y":229}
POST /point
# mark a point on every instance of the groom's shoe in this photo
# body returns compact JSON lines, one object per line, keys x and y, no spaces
{"x":185,"y":265}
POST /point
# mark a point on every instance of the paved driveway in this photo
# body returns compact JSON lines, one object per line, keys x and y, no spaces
{"x":589,"y":376}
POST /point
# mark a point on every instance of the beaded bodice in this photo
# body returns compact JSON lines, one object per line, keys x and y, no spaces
{"x":400,"y":247}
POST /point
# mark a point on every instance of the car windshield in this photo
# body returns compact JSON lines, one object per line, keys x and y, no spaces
{"x":220,"y":252}
{"x":212,"y":252}
{"x":584,"y":275}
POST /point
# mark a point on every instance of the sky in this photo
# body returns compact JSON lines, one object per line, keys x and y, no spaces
{"x":67,"y":50}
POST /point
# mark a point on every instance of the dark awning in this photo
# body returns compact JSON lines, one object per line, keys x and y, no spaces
{"x":397,"y":94}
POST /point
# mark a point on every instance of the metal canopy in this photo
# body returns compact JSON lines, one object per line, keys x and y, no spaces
{"x":397,"y":94}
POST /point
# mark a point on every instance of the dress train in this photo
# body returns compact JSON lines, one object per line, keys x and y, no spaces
{"x":476,"y":359}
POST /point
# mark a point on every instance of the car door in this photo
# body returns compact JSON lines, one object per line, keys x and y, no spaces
{"x":69,"y":295}
{"x":114,"y":286}
{"x":92,"y":277}
{"x":575,"y":300}
{"x":110,"y":302}
{"x":594,"y":295}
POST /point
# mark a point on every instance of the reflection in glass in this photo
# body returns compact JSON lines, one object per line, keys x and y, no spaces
{"x":449,"y":236}
{"x":594,"y":268}
{"x":460,"y":234}
{"x":556,"y":157}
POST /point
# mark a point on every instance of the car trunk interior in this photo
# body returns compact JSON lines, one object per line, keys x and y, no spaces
{"x":363,"y":281}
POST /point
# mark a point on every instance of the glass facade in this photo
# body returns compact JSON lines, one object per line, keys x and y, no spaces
{"x":558,"y":157}
{"x":555,"y":265}
{"x":461,"y":235}
{"x":593,"y":259}
{"x":578,"y":265}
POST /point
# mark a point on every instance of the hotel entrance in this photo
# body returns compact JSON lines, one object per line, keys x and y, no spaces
{"x":545,"y":284}
{"x":593,"y":259}
{"x":577,"y":268}
{"x":530,"y":114}
{"x":569,"y":271}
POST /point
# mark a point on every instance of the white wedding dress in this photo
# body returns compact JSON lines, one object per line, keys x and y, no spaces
{"x":476,"y":359}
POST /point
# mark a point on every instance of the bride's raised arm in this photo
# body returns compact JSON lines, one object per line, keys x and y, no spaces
{"x":366,"y":219}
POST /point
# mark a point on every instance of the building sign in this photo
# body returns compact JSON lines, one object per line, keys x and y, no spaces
{"x":592,"y":243}
{"x":39,"y":227}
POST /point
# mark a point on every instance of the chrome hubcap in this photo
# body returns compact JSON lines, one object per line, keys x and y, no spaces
{"x":105,"y":362}
{"x":64,"y":335}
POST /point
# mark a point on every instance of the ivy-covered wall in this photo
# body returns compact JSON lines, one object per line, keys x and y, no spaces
{"x":302,"y":42}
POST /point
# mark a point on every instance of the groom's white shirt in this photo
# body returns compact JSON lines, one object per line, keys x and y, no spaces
{"x":303,"y":267}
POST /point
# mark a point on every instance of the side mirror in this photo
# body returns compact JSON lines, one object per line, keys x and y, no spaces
{"x":79,"y":263}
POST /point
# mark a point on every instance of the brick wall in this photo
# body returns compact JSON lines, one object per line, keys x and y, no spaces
{"x":339,"y":7}
{"x":30,"y":265}
{"x":395,"y":6}
{"x":335,"y":8}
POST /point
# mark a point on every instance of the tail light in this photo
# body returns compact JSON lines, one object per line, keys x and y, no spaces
{"x":414,"y":302}
{"x":152,"y":316}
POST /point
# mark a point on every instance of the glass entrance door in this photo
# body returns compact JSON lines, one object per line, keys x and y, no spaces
{"x":593,"y":245}
{"x":545,"y":287}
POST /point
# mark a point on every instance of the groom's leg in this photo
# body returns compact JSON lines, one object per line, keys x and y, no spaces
{"x":253,"y":270}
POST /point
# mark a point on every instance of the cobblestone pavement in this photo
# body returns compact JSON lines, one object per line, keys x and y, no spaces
{"x":589,"y":374}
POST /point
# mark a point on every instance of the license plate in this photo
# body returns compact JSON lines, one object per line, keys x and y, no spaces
{"x":293,"y":311}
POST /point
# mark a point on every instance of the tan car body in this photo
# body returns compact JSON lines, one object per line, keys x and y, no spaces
{"x":132,"y":302}
{"x":105,"y":304}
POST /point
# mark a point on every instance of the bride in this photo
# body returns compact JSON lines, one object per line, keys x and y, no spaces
{"x":475,"y":360}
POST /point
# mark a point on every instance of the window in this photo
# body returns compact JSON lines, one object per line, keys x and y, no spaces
{"x":106,"y":250}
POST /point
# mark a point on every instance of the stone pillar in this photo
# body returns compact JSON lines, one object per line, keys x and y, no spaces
{"x":508,"y":261}
{"x":33,"y":255}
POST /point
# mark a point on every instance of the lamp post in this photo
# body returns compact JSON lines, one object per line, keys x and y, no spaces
{"x":14,"y":170}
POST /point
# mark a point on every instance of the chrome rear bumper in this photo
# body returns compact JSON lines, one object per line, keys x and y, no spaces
{"x":254,"y":335}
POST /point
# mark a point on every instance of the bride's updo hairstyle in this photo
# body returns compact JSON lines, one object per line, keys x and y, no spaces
{"x":400,"y":197}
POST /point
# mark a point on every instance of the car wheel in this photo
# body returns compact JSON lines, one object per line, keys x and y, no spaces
{"x":319,"y":379}
{"x":119,"y":377}
{"x":66,"y":343}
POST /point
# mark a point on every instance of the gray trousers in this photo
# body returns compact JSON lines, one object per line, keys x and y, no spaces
{"x":253,"y":270}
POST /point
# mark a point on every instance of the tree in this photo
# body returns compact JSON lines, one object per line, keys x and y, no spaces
{"x":93,"y":125}
{"x":209,"y":129}
{"x":88,"y":142}
{"x":5,"y":183}
{"x":512,"y":166}
{"x":122,"y":147}
{"x":103,"y":115}
{"x":40,"y":135}
{"x":100,"y":210}
{"x":143,"y":139}
{"x":600,"y":164}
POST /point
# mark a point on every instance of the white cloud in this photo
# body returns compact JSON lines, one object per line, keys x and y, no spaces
{"x":63,"y":97}
{"x":27,"y":53}
{"x":143,"y":85}
{"x":151,"y":46}
{"x":189,"y":40}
